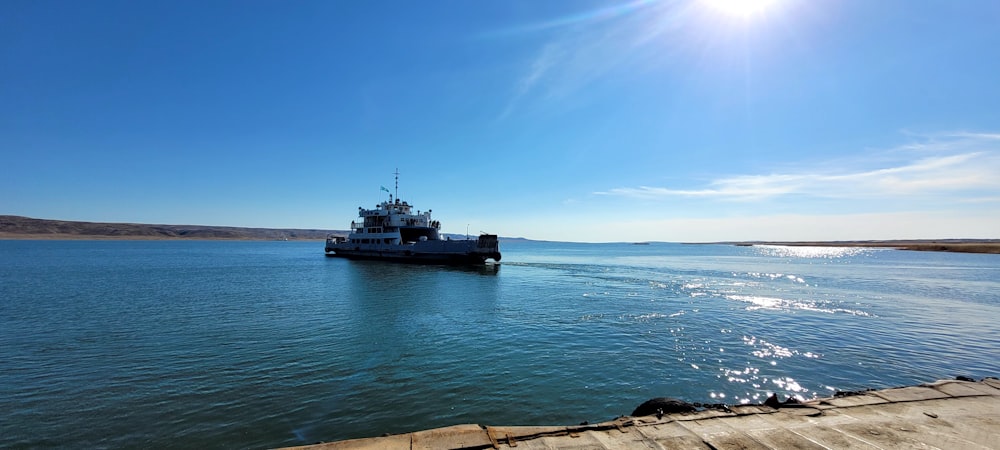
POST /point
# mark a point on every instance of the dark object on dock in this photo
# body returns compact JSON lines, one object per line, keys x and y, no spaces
{"x":773,"y":402}
{"x":841,"y":394}
{"x":663,"y":405}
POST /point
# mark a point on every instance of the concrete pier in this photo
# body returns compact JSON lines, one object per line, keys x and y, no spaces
{"x":947,"y":414}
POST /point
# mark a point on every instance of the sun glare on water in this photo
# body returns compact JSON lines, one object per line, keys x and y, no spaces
{"x":742,"y":8}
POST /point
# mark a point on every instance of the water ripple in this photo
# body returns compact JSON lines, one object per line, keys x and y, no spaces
{"x":160,"y":344}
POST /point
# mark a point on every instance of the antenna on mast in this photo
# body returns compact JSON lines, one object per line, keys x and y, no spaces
{"x":397,"y":182}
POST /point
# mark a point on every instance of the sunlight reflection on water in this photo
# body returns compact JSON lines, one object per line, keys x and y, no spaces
{"x":811,"y":251}
{"x":212,"y":333}
{"x":762,"y":302}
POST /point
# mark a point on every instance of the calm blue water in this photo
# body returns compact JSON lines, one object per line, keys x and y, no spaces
{"x":263,"y":344}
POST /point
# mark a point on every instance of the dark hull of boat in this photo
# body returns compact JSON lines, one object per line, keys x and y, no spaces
{"x":460,"y":252}
{"x":415,"y":258}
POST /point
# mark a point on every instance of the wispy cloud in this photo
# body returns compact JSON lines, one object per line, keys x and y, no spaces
{"x":575,"y":20}
{"x":950,"y":142}
{"x":964,"y":162}
{"x":582,"y":48}
{"x":639,"y":35}
{"x":561,"y":67}
{"x":549,"y":56}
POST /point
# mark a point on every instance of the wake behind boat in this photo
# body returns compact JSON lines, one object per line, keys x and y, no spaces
{"x":393,"y":232}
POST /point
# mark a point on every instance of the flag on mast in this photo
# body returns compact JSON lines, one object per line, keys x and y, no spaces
{"x":384,"y":189}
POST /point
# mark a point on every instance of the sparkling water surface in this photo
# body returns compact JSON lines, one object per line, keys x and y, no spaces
{"x":107,"y":344}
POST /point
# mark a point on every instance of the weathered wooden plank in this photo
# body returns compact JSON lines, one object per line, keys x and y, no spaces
{"x":720,"y":435}
{"x":910,"y":394}
{"x":855,"y":400}
{"x":672,"y":436}
{"x":947,"y":415}
{"x":458,"y":436}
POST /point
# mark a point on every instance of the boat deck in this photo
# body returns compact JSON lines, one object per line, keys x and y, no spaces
{"x":945,"y":415}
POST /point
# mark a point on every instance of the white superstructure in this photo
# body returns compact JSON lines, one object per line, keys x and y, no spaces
{"x":393,"y":231}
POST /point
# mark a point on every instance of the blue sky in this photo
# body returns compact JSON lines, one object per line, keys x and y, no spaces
{"x":697,"y":120}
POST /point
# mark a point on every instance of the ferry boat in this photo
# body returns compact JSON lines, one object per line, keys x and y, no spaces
{"x":393,"y":232}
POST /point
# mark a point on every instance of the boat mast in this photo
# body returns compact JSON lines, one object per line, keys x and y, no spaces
{"x":397,"y":182}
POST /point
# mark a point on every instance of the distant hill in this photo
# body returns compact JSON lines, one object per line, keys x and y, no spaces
{"x":18,"y":227}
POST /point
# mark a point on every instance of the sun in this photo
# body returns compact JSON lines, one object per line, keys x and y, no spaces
{"x":742,"y":8}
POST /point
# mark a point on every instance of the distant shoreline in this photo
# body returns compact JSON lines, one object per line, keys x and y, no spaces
{"x":18,"y":227}
{"x":991,"y":246}
{"x":26,"y":228}
{"x":88,"y":237}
